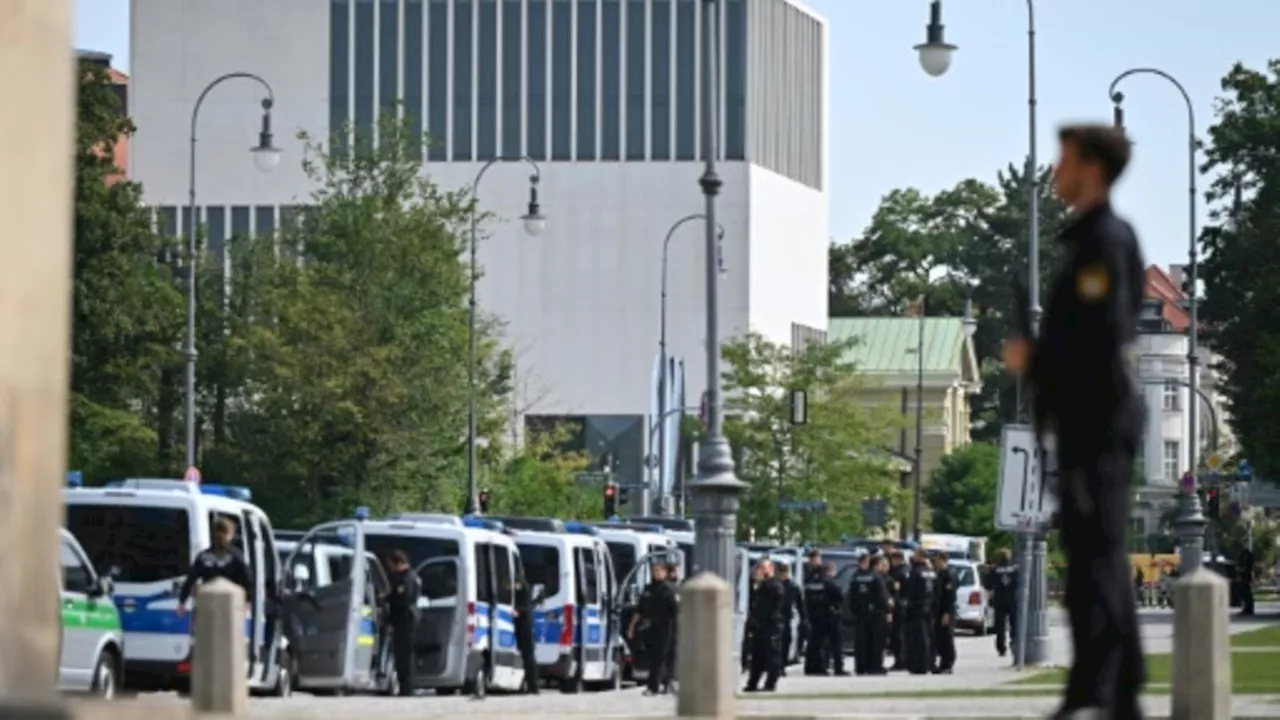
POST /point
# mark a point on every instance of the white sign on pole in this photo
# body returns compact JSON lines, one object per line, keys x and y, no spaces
{"x":1025,"y":501}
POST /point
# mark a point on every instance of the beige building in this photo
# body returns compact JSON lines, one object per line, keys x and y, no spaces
{"x":887,"y":353}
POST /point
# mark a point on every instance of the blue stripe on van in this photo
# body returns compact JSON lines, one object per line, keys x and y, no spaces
{"x":547,"y":631}
{"x":136,"y":615}
{"x":505,"y":618}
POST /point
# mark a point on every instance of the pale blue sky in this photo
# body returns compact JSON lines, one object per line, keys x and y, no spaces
{"x":892,"y":126}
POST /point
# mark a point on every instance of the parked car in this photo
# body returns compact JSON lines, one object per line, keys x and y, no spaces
{"x":91,"y":657}
{"x":973,"y":607}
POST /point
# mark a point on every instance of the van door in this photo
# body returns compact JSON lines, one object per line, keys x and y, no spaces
{"x":626,"y":607}
{"x":256,"y":624}
{"x":608,"y":604}
{"x":322,"y":604}
{"x":508,"y":671}
{"x":272,"y":628}
{"x":440,"y":647}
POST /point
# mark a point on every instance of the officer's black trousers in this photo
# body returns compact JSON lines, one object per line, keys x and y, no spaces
{"x":862,"y":644}
{"x":1096,"y":470}
{"x":834,"y":636}
{"x":897,"y":641}
{"x":528,"y":655}
{"x":918,"y":634}
{"x":402,"y":650}
{"x":944,"y":644}
{"x":785,"y":646}
{"x":815,"y":649}
{"x":659,"y":641}
{"x":1006,"y":627}
{"x":764,"y":660}
{"x":878,"y":635}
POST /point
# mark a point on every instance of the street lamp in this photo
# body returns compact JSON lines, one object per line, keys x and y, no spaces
{"x":662,"y":349}
{"x":918,"y":460}
{"x":1190,"y":517}
{"x":266,"y":157}
{"x":534,"y":223}
{"x":935,"y":52}
{"x":716,"y":489}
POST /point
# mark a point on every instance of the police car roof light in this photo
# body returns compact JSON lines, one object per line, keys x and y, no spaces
{"x":433,"y":518}
{"x":75,"y":479}
{"x":480,"y":523}
{"x":234,"y":492}
{"x":181,"y":486}
{"x":362,"y":513}
{"x":577,"y":528}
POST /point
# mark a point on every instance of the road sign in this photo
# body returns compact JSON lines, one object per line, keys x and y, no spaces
{"x":1244,"y":470}
{"x":1027,"y":473}
{"x":192,"y":475}
{"x":804,"y":505}
{"x":593,"y":477}
{"x":1214,"y":462}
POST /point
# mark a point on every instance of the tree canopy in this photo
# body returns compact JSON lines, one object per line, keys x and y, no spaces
{"x":962,"y":492}
{"x":1241,"y":308}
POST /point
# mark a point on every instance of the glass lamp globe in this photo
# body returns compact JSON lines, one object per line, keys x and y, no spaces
{"x":266,"y":157}
{"x":534,"y":223}
{"x":935,"y":57}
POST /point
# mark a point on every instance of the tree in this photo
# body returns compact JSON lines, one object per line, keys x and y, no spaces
{"x":1241,"y":308}
{"x":834,"y":457}
{"x":540,"y":480}
{"x":962,"y":493}
{"x":127,"y":308}
{"x":969,"y":240}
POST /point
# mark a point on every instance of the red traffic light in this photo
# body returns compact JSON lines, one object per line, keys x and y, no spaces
{"x":1213,"y":492}
{"x":610,"y":490}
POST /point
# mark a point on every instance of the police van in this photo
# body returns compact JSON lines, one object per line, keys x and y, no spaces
{"x":577,"y":634}
{"x":628,"y":543}
{"x":145,"y":533}
{"x":465,"y":637}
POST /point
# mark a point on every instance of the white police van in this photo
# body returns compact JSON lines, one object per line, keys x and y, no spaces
{"x":630,"y":542}
{"x":144,"y":533}
{"x":577,"y":634}
{"x":465,"y":638}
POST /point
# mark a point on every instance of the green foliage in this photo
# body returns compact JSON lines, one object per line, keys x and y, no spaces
{"x":962,"y":493}
{"x":1241,"y":308}
{"x":127,"y":309}
{"x":540,"y":481}
{"x":833,"y":457}
{"x":973,"y":233}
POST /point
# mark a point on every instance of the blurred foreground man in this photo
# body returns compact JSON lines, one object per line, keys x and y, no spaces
{"x":1085,"y":394}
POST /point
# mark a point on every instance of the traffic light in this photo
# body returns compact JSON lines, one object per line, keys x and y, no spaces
{"x":484,"y":502}
{"x":610,"y":499}
{"x":1215,"y":504}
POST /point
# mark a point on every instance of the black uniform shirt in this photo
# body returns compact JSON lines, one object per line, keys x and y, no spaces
{"x":793,"y":602}
{"x":945,"y":604}
{"x":897,"y":584}
{"x":881,"y":597}
{"x":860,"y":592}
{"x":766,"y":607}
{"x":1004,"y":582}
{"x":921,"y":592}
{"x":658,"y":605}
{"x":402,"y":603}
{"x":210,"y":565}
{"x":1079,"y":369}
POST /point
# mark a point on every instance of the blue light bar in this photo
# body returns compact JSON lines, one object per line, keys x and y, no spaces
{"x":577,"y":528}
{"x":480,"y":523}
{"x":75,"y":479}
{"x":362,"y":513}
{"x":615,"y":518}
{"x":235,"y":492}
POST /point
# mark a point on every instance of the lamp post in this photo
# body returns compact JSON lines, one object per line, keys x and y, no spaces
{"x":1190,"y":522}
{"x":716,"y":489}
{"x":935,"y":52}
{"x":266,"y":156}
{"x":534,"y":223}
{"x":917,"y":467}
{"x":662,"y":350}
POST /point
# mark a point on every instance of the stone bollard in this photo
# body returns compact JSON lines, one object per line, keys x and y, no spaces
{"x":1201,"y":648}
{"x":704,"y":653}
{"x":218,"y":683}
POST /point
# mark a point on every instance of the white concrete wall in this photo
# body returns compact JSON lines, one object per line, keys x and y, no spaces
{"x":789,"y":248}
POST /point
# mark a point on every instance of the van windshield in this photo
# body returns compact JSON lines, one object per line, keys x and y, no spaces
{"x":419,"y":549}
{"x":142,"y":544}
{"x":541,"y":567}
{"x":624,"y":558}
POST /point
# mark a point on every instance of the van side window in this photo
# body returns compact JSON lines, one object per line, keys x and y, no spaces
{"x":541,"y":567}
{"x":439,"y":580}
{"x":592,"y":573}
{"x":484,"y":573}
{"x":502,"y":569}
{"x":75,"y":575}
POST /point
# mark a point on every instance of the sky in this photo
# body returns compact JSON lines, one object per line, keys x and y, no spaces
{"x":892,"y":126}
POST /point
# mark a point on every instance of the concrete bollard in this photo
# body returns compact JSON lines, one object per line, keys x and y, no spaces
{"x":1201,"y":648}
{"x":704,"y":654}
{"x":218,"y":683}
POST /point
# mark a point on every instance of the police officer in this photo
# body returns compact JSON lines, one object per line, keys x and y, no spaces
{"x":1082,"y":380}
{"x":920,"y":594}
{"x":402,"y":611}
{"x":944,"y":638}
{"x":658,"y":607}
{"x":1244,"y":570}
{"x":861,"y":589}
{"x":220,"y":560}
{"x":748,"y":636}
{"x":766,"y":619}
{"x":816,"y":609}
{"x":673,"y":579}
{"x":1004,"y":599}
{"x":825,"y":601}
{"x":881,"y":615}
{"x":525,"y":604}
{"x":897,"y":580}
{"x":792,"y":605}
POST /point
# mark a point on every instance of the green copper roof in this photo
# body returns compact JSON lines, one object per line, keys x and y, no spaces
{"x":888,"y":345}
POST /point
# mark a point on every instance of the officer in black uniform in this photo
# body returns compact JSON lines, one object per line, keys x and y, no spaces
{"x":658,"y":606}
{"x":881,"y":615}
{"x":402,"y":611}
{"x":861,"y":589}
{"x":920,"y":594}
{"x":766,"y":619}
{"x":673,"y":579}
{"x":793,"y":604}
{"x":944,"y":633}
{"x":1082,"y":380}
{"x":525,"y":604}
{"x":817,"y":609}
{"x":1004,"y":599}
{"x":897,"y":579}
{"x":1244,"y":570}
{"x":220,"y":560}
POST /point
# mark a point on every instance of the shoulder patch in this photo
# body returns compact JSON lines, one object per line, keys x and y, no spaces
{"x":1093,"y":284}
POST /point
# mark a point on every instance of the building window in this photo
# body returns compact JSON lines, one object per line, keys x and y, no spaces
{"x":611,"y":80}
{"x":536,"y":45}
{"x":264,"y":221}
{"x":339,"y":77}
{"x":686,"y":77}
{"x":512,"y":56}
{"x":462,"y":25}
{"x":735,"y":80}
{"x":413,"y":25}
{"x":438,"y":83}
{"x":661,"y":75}
{"x":388,"y":56}
{"x":1172,"y":460}
{"x":365,"y":91}
{"x":1171,"y":396}
{"x":562,"y":50}
{"x":635,"y":79}
{"x":586,"y":80}
{"x":487,"y":120}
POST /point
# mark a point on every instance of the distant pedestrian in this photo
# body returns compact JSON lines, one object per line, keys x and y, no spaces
{"x":1004,"y":600}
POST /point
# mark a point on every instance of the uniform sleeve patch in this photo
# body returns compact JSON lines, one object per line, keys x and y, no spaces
{"x":1093,"y":284}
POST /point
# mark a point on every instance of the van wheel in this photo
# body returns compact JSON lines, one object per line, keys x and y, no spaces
{"x":104,"y":676}
{"x":392,"y":683}
{"x":285,"y":679}
{"x":572,"y":686}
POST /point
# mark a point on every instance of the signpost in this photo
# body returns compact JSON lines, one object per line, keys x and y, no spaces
{"x":813,"y":507}
{"x":1026,"y":504}
{"x":587,"y":478}
{"x":192,"y":475}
